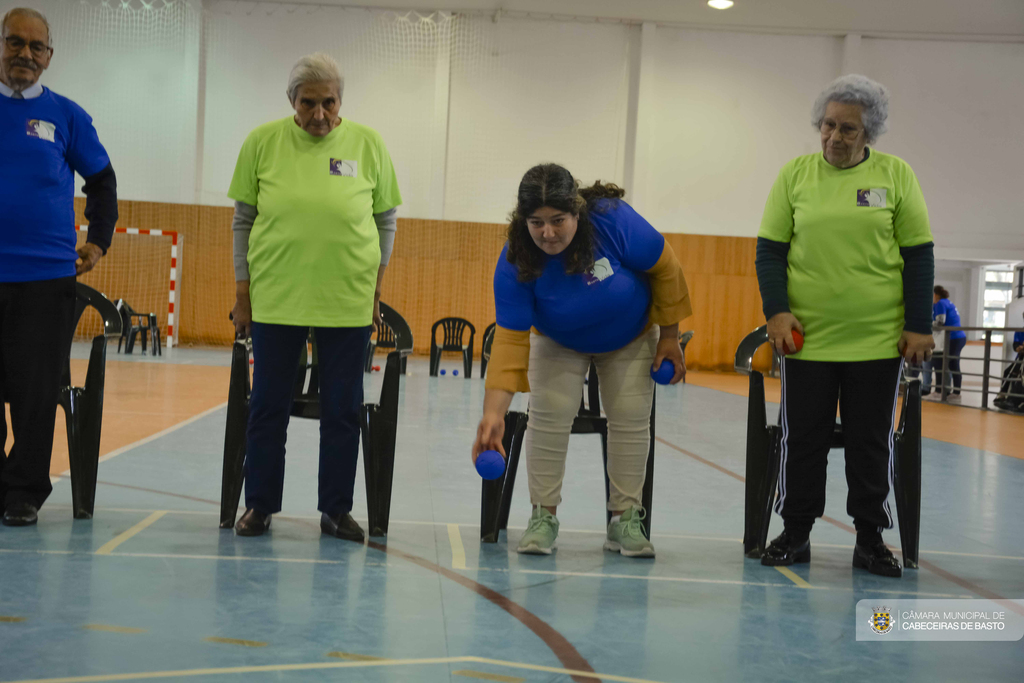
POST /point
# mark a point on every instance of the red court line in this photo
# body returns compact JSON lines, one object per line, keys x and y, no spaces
{"x":949,"y":576}
{"x":563,"y":649}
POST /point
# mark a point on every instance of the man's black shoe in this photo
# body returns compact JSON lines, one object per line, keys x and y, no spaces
{"x":20,"y":514}
{"x":253,"y":523}
{"x":341,"y":526}
{"x":785,"y":550}
{"x":876,"y":559}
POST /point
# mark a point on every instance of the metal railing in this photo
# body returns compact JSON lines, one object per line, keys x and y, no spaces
{"x":987,"y":360}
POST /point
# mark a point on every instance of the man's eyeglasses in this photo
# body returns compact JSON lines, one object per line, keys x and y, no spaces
{"x":16,"y":44}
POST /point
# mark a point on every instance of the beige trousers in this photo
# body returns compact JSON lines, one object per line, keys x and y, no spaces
{"x":556,"y":383}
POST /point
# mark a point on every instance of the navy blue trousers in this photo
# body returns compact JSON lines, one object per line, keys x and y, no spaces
{"x":276,"y":350}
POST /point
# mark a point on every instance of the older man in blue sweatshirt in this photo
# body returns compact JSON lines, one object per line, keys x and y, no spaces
{"x":44,"y":140}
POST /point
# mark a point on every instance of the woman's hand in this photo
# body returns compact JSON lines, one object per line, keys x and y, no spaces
{"x":241,"y":314}
{"x":780,"y":332}
{"x":489,"y":435}
{"x":378,"y":319}
{"x":492,"y":425}
{"x":668,"y":348}
{"x":915,"y":347}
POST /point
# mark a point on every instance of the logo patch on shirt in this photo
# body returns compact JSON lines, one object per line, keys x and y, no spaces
{"x":602,"y":270}
{"x":44,"y":130}
{"x":344,"y":167}
{"x":873,"y":197}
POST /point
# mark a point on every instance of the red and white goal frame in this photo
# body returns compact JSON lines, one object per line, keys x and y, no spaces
{"x":171,"y":335}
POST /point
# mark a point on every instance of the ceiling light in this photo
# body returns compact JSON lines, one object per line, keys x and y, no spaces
{"x":720,"y":4}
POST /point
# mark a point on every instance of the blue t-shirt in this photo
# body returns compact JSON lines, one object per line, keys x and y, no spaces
{"x":946,"y":307}
{"x":594,"y":312}
{"x":43,"y":142}
{"x":1018,"y":339}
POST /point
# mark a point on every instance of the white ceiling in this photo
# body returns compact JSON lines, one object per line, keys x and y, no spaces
{"x":964,"y":19}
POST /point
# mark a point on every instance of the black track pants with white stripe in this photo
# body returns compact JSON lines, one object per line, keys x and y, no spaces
{"x":866,"y":393}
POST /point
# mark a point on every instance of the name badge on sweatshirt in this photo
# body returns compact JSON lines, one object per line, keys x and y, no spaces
{"x":44,"y":130}
{"x":344,"y":167}
{"x":602,"y":270}
{"x":873,"y":197}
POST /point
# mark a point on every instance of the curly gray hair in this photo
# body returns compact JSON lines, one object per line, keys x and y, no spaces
{"x":872,"y":96}
{"x":315,"y":68}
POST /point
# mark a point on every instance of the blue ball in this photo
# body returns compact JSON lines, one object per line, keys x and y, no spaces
{"x":665,"y":373}
{"x":455,"y":373}
{"x":490,"y":464}
{"x":443,"y":371}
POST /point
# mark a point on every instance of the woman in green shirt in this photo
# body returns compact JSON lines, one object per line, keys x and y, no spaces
{"x":315,"y":198}
{"x":844,"y":256}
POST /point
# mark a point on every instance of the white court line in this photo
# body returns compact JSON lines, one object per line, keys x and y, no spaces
{"x":458,"y":550}
{"x":411,"y":522}
{"x":588,"y":575}
{"x":733,"y":582}
{"x":142,"y":442}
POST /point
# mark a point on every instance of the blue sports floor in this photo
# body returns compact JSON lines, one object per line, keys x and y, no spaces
{"x":152,"y":589}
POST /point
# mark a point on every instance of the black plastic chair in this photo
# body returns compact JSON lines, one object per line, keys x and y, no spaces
{"x":83,"y":406}
{"x":496,"y":494}
{"x":134,"y":324}
{"x":396,"y":334}
{"x":485,"y":349}
{"x":764,"y":444}
{"x":454,"y":330}
{"x":379,"y":427}
{"x":684,"y":339}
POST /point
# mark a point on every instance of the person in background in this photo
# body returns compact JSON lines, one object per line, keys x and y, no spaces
{"x":315,"y":200}
{"x":583,"y":278}
{"x":45,"y":139}
{"x":844,"y":256}
{"x":944,"y":314}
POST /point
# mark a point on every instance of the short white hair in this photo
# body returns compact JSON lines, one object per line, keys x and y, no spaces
{"x":318,"y":67}
{"x":28,"y":12}
{"x":872,"y":96}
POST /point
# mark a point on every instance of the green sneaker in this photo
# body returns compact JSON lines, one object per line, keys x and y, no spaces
{"x":540,"y":535}
{"x":626,"y":536}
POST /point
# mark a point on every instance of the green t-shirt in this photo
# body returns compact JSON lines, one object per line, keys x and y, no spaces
{"x":314,"y":250}
{"x":845,"y":228}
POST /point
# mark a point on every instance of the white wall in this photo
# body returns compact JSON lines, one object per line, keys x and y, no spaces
{"x":526,"y":92}
{"x":729,"y":109}
{"x":389,"y":65}
{"x":954,"y":116}
{"x":466,"y":104}
{"x":135,"y":71}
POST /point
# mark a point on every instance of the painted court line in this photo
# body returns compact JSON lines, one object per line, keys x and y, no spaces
{"x":142,"y":442}
{"x":109,"y":546}
{"x":409,"y":522}
{"x":235,"y":641}
{"x":734,"y":582}
{"x":113,"y":629}
{"x":458,"y":551}
{"x":794,"y":577}
{"x":498,"y":678}
{"x":12,"y":620}
{"x":315,"y":666}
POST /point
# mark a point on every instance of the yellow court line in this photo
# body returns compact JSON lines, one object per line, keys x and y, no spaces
{"x":794,"y":577}
{"x":354,"y":657}
{"x":458,"y":551}
{"x":113,"y":629}
{"x":235,"y":641}
{"x":109,"y":546}
{"x":12,"y":620}
{"x":314,"y":666}
{"x":498,"y":678}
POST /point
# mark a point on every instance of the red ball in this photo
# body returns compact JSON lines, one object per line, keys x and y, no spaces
{"x":798,"y":339}
{"x":376,"y":368}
